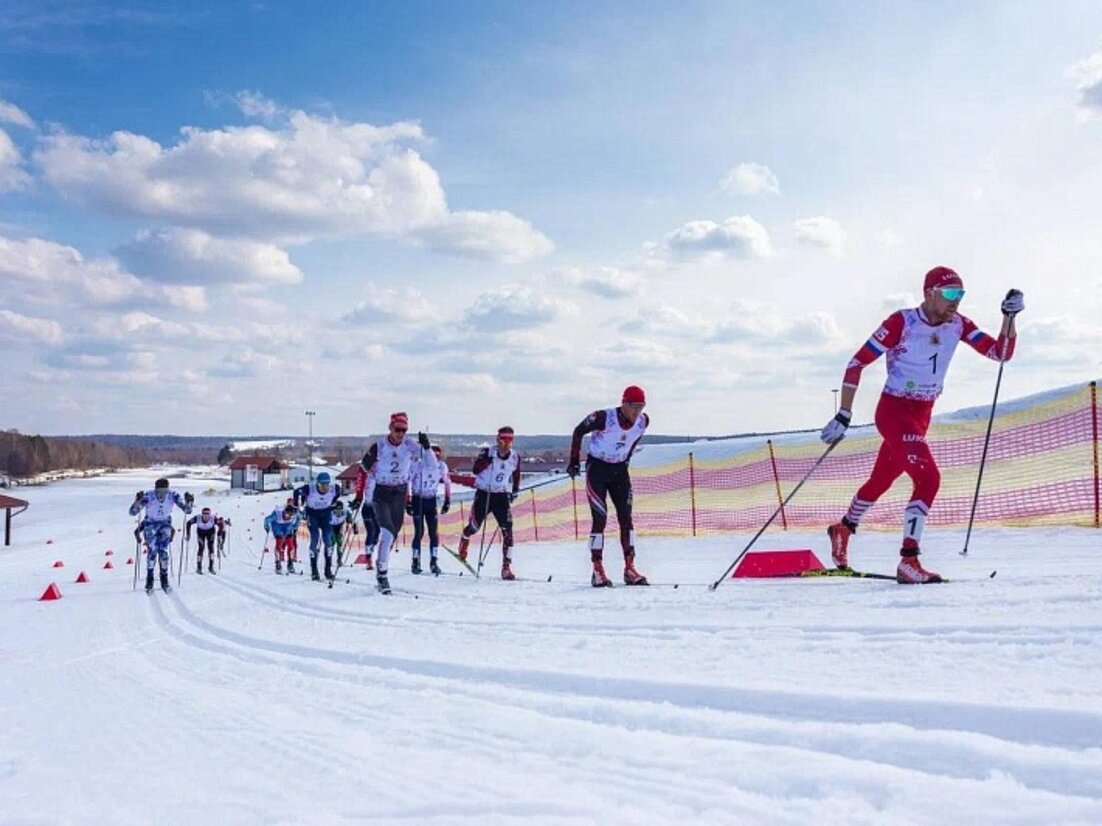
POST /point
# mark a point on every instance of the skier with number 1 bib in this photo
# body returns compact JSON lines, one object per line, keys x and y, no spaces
{"x":919,"y":344}
{"x":616,"y":433}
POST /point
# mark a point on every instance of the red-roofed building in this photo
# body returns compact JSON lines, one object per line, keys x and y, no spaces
{"x":7,"y":504}
{"x":259,"y":473}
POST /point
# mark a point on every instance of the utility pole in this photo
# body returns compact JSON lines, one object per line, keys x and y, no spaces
{"x":310,"y":444}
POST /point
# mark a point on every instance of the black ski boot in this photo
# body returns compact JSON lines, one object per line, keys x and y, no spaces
{"x":382,"y":583}
{"x":434,"y":566}
{"x":415,"y":565}
{"x":290,"y":566}
{"x":279,"y":567}
{"x":314,"y":575}
{"x":329,"y":568}
{"x":210,"y":566}
{"x":149,"y":582}
{"x":164,"y":582}
{"x":199,"y":566}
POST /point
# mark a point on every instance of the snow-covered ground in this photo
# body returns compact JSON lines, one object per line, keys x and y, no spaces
{"x":252,"y":698}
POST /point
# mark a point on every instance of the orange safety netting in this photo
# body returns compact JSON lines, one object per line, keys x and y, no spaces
{"x":1042,"y":468}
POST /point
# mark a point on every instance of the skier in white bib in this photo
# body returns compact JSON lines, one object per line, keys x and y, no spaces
{"x":497,"y":480}
{"x":158,"y":531}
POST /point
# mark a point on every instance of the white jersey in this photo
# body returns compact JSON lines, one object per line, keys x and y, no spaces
{"x":614,"y":443}
{"x":318,"y":501}
{"x":205,"y":523}
{"x":427,"y":475}
{"x":157,"y":510}
{"x":393,"y":462}
{"x":338,"y":517}
{"x":497,"y":477}
{"x":918,"y":363}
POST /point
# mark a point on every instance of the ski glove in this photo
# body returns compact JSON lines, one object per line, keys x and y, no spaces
{"x":139,"y":495}
{"x":355,"y":504}
{"x":574,"y":468}
{"x":423,"y":440}
{"x":512,"y":497}
{"x":409,"y":508}
{"x":447,"y":504}
{"x":835,"y":429}
{"x":1014,"y":303}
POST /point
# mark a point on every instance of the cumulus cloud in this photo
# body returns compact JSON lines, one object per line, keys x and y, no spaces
{"x":607,"y":282}
{"x":304,"y":178}
{"x":665,"y":322}
{"x":388,"y":305}
{"x":12,"y":175}
{"x":486,"y":235}
{"x":821,"y":233}
{"x":736,"y":237}
{"x":10,"y":113}
{"x":513,"y":307}
{"x":21,"y":327}
{"x":255,"y":105}
{"x":244,"y":363}
{"x":183,"y":256}
{"x":751,"y":179}
{"x":59,"y":273}
{"x":1089,"y":73}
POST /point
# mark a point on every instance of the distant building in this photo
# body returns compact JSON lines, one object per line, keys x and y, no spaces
{"x":259,"y":473}
{"x":347,"y":477}
{"x":298,"y":475}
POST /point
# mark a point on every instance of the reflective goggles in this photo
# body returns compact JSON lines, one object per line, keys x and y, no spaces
{"x":950,"y":293}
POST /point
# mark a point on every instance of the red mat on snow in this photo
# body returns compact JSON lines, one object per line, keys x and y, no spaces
{"x":777,"y":563}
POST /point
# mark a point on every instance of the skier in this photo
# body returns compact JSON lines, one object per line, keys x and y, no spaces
{"x":283,"y":525}
{"x":222,"y":523}
{"x":497,"y":480}
{"x":425,"y":480}
{"x":919,"y":343}
{"x":337,"y":522}
{"x":362,"y":499}
{"x":388,"y":463}
{"x":318,"y":497}
{"x":616,"y":433}
{"x":158,"y":532}
{"x":205,"y":525}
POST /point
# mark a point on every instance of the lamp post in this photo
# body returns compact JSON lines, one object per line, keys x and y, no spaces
{"x":310,"y":444}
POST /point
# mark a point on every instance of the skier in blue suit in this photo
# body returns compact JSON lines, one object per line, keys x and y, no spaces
{"x":158,"y":530}
{"x":318,"y":499}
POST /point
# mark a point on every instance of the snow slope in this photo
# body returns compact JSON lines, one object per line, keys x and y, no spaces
{"x":251,"y":698}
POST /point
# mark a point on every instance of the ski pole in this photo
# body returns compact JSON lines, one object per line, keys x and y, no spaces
{"x":137,"y":558}
{"x":263,"y":551}
{"x":983,"y":456}
{"x":749,"y":544}
{"x":485,"y":552}
{"x":544,"y":482}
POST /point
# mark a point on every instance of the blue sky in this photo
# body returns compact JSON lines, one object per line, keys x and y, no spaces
{"x":212,"y":218}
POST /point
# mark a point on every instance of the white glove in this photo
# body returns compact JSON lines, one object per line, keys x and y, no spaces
{"x":835,"y":429}
{"x":1014,"y":303}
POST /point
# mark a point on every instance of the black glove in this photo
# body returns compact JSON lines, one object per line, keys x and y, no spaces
{"x":188,"y":497}
{"x":1013,"y":304}
{"x":447,"y":504}
{"x":423,"y":440}
{"x":512,"y":498}
{"x":355,"y":504}
{"x":139,"y":495}
{"x":409,"y":507}
{"x":574,"y":468}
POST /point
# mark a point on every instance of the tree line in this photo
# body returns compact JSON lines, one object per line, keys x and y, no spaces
{"x":23,"y":456}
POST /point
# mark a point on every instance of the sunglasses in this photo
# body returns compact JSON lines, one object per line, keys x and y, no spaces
{"x":399,"y":429}
{"x":635,"y":405}
{"x":950,"y":293}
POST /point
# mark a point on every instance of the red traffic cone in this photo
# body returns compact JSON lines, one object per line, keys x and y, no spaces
{"x":83,"y":577}
{"x":130,"y":560}
{"x":108,"y":564}
{"x":59,"y":564}
{"x":49,"y":542}
{"x":109,"y":552}
{"x":53,"y":592}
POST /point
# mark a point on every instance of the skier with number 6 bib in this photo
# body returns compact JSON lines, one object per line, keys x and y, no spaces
{"x":496,"y":482}
{"x":919,"y":344}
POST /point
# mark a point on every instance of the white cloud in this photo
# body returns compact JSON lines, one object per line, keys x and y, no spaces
{"x":60,"y":274}
{"x":1089,"y":73}
{"x":822,"y":233}
{"x":10,"y":113}
{"x":245,"y":363}
{"x":736,"y":237}
{"x":255,"y":105}
{"x":513,"y":307}
{"x":607,"y":282}
{"x":386,"y":305}
{"x":192,"y":256}
{"x":12,"y":176}
{"x":892,"y":302}
{"x":751,"y":179}
{"x":14,"y":325}
{"x":487,"y":235}
{"x":666,"y":321}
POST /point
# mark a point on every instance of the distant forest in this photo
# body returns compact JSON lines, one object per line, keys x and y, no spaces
{"x":23,"y":456}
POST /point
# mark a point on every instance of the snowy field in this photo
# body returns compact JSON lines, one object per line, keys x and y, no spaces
{"x":252,"y":698}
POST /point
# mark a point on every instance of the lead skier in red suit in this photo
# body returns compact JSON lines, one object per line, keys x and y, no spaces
{"x":919,"y":344}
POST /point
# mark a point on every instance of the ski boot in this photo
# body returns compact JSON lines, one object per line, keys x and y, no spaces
{"x":382,"y":583}
{"x":279,"y":567}
{"x":839,"y":534}
{"x":415,"y":565}
{"x":464,"y":543}
{"x":370,"y":566}
{"x":329,"y":568}
{"x":210,"y":567}
{"x":314,"y":575}
{"x":164,"y":582}
{"x":434,"y":566}
{"x":632,"y":576}
{"x":600,"y":579}
{"x":910,"y":570}
{"x":199,"y":566}
{"x":149,"y":582}
{"x":507,"y":571}
{"x":290,"y":566}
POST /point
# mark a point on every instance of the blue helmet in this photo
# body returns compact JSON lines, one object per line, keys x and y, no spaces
{"x":324,"y":478}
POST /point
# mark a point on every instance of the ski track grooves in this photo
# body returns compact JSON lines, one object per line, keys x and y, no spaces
{"x":1045,"y":726}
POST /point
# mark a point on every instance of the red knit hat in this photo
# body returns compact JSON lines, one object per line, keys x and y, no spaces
{"x":399,"y":419}
{"x":941,"y":277}
{"x":634,"y":395}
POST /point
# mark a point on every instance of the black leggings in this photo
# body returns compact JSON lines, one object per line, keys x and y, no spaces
{"x":602,"y":481}
{"x":498,"y":505}
{"x":424,"y":513}
{"x":371,"y":524}
{"x":204,"y":538}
